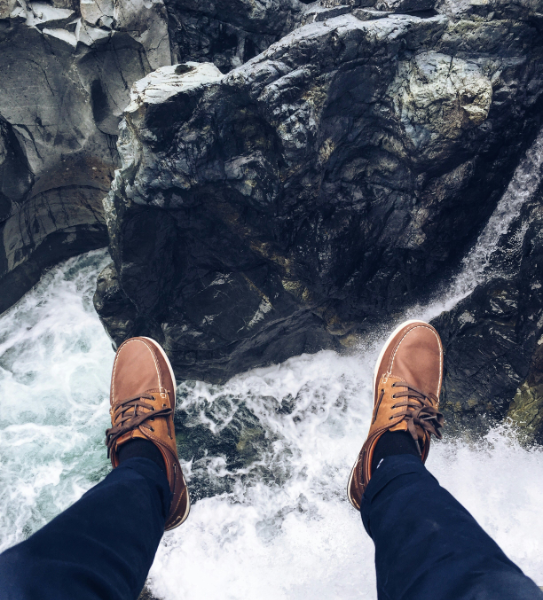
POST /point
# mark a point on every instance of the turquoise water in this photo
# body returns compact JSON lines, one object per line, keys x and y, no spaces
{"x":55,"y":362}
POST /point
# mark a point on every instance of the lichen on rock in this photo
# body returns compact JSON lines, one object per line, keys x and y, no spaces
{"x":438,"y":98}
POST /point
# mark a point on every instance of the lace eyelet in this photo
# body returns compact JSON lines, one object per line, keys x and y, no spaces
{"x":394,"y":396}
{"x":394,"y":406}
{"x":152,"y":429}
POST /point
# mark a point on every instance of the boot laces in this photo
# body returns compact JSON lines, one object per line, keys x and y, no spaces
{"x":128,"y":415}
{"x":419,"y":410}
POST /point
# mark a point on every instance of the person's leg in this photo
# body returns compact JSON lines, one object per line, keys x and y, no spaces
{"x":103,"y":546}
{"x":428,"y":546}
{"x":100,"y":548}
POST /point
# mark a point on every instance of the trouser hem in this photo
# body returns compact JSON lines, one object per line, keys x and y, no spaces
{"x":389,"y":469}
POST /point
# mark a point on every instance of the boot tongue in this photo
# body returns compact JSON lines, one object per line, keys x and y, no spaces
{"x":402,"y":425}
{"x":136,"y":371}
{"x":416,"y":355}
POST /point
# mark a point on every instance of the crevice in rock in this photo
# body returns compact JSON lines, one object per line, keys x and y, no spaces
{"x":100,"y":106}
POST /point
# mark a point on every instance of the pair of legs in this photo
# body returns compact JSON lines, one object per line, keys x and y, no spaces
{"x":427,"y":545}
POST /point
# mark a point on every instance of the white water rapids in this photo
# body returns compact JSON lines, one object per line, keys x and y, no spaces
{"x":291,"y":535}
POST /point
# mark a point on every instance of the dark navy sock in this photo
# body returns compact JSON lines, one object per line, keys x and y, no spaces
{"x":139,"y":448}
{"x":392,"y":443}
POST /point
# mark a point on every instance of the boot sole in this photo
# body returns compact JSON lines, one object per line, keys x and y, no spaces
{"x":172,"y":374}
{"x":375,"y":371}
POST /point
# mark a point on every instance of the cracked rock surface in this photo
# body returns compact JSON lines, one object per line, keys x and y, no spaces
{"x":289,"y":204}
{"x":65,"y":73}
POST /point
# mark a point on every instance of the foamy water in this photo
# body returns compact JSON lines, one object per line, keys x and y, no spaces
{"x":301,"y":537}
{"x":284,"y":528}
{"x":55,"y":362}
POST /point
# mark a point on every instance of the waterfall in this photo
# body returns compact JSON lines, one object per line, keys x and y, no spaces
{"x":522,"y":187}
{"x":475,"y":266}
{"x":282,"y":526}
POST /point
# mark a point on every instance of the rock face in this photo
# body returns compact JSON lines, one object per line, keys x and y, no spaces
{"x":493,"y":339}
{"x":316,"y":189}
{"x":65,"y":73}
{"x":228,"y":32}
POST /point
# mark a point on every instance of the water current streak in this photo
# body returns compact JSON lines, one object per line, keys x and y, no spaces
{"x":474,"y":269}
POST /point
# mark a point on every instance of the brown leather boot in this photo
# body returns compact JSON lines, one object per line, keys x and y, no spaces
{"x":142,"y":406}
{"x":406,"y":387}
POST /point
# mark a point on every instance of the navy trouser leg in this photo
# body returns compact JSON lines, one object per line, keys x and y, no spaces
{"x":101,"y":548}
{"x":428,"y":546}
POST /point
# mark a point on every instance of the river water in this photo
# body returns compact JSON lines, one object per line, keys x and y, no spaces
{"x":283,"y":528}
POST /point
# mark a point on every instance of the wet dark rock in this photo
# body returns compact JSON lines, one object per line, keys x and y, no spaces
{"x":229,"y":33}
{"x":486,"y":359}
{"x":46,"y":229}
{"x":288,"y":205}
{"x":528,"y":11}
{"x":220,"y":437}
{"x":492,"y":341}
{"x":526,"y":410}
{"x":66,"y":69}
{"x":15,"y":176}
{"x":108,"y":295}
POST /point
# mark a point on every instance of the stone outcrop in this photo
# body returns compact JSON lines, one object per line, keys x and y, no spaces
{"x":526,"y":410}
{"x":229,"y":33}
{"x":65,"y":73}
{"x":289,"y":204}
